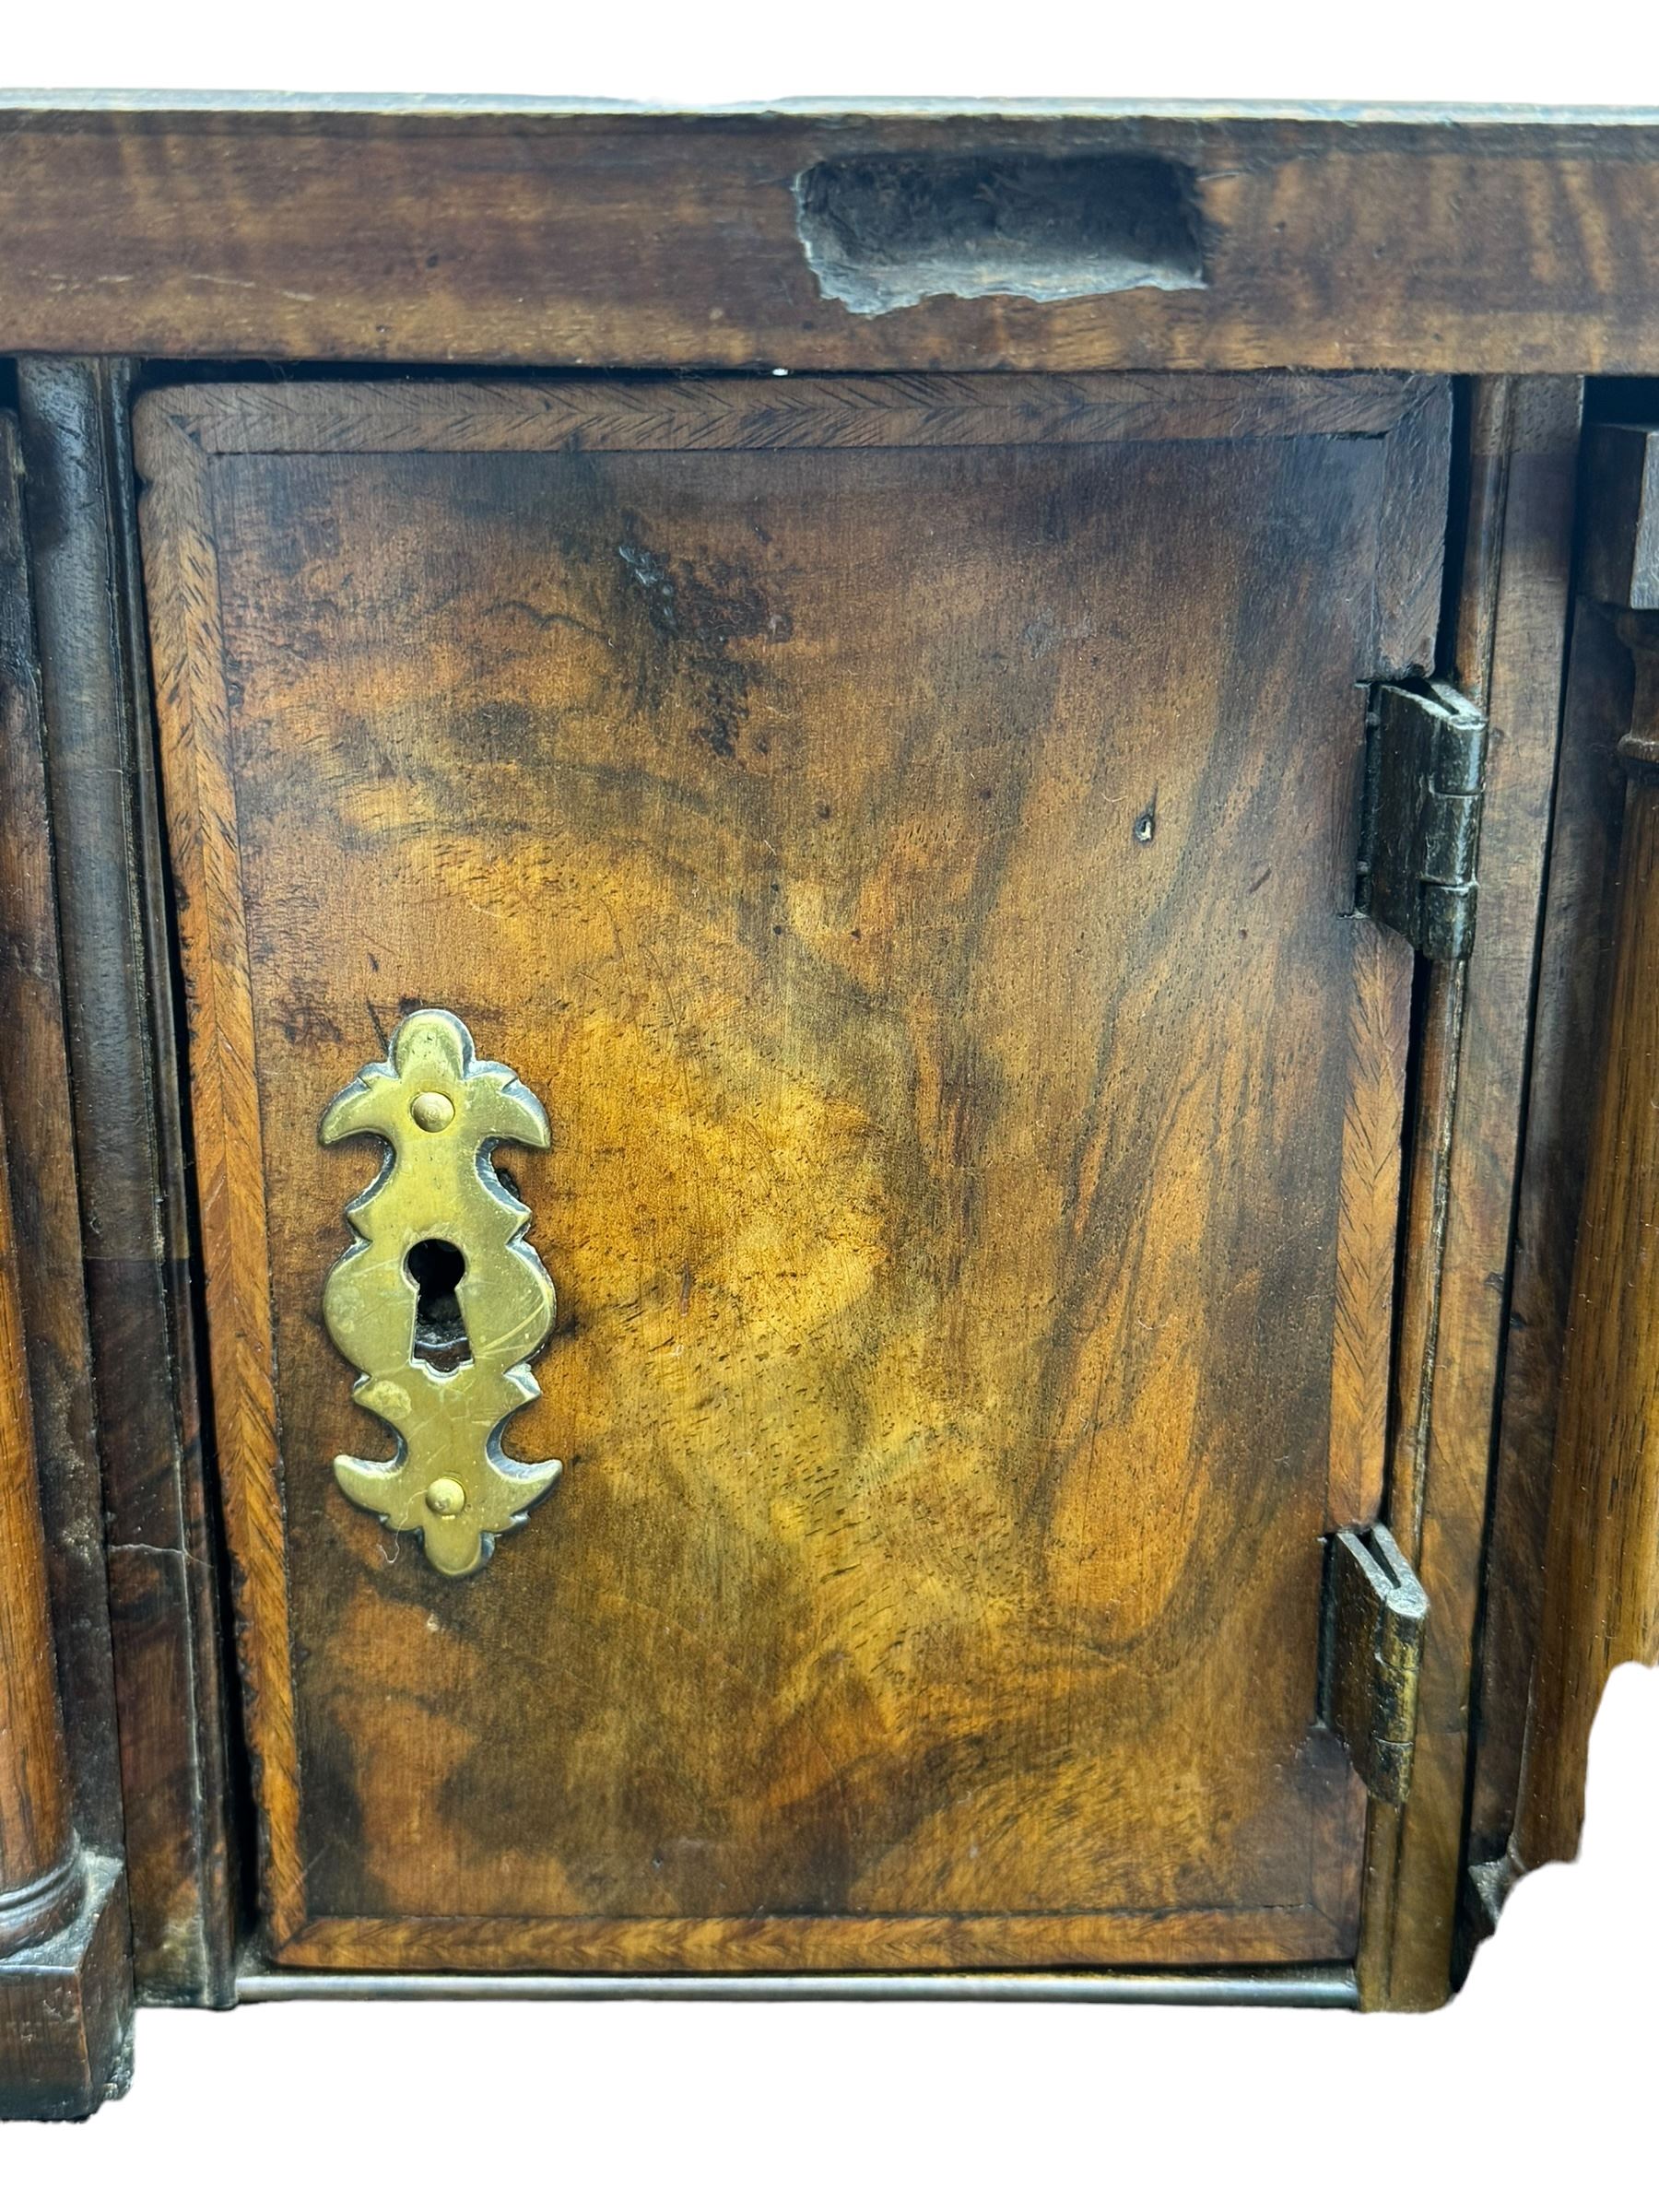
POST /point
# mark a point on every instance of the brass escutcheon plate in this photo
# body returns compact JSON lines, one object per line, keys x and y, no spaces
{"x":443,"y":1111}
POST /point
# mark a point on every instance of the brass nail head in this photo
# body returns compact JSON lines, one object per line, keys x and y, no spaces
{"x":445,"y":1498}
{"x":431,"y":1111}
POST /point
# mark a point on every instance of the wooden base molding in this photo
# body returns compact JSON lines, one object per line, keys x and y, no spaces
{"x":65,"y":1984}
{"x":67,"y":2008}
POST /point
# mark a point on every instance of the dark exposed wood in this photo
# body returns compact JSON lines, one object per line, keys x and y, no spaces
{"x":1621,"y":505}
{"x":949,"y":1264}
{"x":567,"y":239}
{"x":1506,"y":651}
{"x":34,"y":1093}
{"x":123,"y":1085}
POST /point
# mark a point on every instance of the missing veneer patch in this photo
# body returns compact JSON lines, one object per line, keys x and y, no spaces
{"x":888,"y":231}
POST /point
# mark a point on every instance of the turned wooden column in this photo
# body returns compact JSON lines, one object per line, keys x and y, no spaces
{"x":40,"y":1878}
{"x":1602,"y":1580}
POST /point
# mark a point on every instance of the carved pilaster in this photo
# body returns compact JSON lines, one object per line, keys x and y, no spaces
{"x":66,"y":1977}
{"x":41,"y":1879}
{"x":65,"y":1984}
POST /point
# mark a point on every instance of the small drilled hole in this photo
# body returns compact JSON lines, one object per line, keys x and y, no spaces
{"x":435,"y":1266}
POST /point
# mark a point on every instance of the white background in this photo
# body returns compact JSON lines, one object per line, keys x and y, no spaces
{"x":750,"y":50}
{"x":1536,"y":2087}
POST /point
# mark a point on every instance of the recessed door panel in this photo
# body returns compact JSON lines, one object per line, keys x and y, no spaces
{"x":902,"y":832}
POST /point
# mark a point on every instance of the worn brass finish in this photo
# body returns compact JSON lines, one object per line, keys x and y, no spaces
{"x":432,"y":1110}
{"x":443,"y":1111}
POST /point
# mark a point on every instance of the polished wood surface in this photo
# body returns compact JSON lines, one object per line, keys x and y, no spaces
{"x":914,"y":868}
{"x":1353,"y":238}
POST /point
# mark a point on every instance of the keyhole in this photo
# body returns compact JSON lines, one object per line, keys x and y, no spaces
{"x":435,"y":1268}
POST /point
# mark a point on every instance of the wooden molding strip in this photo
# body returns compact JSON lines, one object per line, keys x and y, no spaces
{"x":755,"y":413}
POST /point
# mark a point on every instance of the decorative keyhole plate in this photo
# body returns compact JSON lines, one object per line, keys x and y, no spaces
{"x":443,"y":1111}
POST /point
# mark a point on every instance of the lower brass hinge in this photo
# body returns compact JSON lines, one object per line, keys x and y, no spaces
{"x":1371,"y":1656}
{"x":1425,"y":785}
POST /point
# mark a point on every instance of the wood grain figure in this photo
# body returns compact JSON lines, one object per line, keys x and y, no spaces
{"x":910,"y":867}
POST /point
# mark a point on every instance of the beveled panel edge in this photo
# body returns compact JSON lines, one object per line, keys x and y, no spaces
{"x":760,"y":413}
{"x":193,"y":717}
{"x":1157,"y":1939}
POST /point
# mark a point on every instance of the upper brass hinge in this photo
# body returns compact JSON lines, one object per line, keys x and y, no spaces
{"x":1425,"y":785}
{"x":1371,"y":1656}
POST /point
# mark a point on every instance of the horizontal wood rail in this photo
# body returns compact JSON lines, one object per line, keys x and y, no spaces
{"x":529,"y":235}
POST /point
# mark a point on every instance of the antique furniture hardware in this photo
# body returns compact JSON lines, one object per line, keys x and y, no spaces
{"x":1370,"y":1658}
{"x":1425,"y":768}
{"x":443,"y":1111}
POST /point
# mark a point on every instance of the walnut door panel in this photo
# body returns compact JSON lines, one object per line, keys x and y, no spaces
{"x":902,"y":830}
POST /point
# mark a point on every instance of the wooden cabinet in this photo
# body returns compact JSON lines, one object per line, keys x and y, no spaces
{"x":792,"y":1102}
{"x":904,"y":832}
